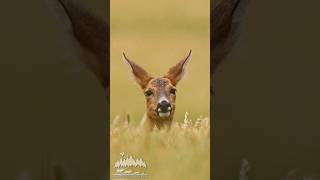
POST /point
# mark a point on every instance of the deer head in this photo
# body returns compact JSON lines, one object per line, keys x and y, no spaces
{"x":160,"y":92}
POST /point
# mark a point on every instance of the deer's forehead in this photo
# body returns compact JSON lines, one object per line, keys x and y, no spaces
{"x":160,"y":83}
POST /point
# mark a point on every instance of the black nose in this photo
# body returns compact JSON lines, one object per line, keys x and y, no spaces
{"x":163,"y":106}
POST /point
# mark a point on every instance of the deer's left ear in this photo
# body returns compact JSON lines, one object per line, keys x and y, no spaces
{"x":176,"y":72}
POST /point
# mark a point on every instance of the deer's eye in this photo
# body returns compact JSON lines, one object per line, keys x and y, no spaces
{"x":148,"y":93}
{"x":173,"y":91}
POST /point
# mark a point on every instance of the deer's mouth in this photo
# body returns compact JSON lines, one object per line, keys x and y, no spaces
{"x":164,"y":113}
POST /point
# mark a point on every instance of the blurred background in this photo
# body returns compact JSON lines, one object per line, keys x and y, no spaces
{"x":53,"y":110}
{"x":156,"y":35}
{"x":267,"y":94}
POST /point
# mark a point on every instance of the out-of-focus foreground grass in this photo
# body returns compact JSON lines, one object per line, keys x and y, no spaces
{"x":156,"y":35}
{"x":183,"y":153}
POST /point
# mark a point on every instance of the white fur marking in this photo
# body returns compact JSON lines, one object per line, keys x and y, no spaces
{"x":167,"y":114}
{"x":163,"y":99}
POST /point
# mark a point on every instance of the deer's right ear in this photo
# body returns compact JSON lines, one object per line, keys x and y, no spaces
{"x":141,"y":76}
{"x":176,"y":72}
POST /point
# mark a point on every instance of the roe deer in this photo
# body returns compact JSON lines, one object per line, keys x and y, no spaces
{"x":160,"y":92}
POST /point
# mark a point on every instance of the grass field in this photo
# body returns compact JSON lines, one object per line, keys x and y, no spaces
{"x":183,"y":153}
{"x":156,"y":35}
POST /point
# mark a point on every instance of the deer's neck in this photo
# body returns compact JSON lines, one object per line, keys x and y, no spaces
{"x":158,"y":122}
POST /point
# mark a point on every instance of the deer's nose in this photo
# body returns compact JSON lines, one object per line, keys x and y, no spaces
{"x":164,"y":106}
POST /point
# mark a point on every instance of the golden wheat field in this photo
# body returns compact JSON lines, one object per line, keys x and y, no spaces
{"x":156,"y":35}
{"x":181,"y":153}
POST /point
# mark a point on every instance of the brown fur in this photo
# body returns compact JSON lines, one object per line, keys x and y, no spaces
{"x":160,"y":87}
{"x":151,"y":102}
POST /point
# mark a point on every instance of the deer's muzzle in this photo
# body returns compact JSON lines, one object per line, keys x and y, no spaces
{"x":164,"y":109}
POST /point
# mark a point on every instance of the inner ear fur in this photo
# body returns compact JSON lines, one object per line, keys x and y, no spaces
{"x":141,"y":76}
{"x":177,"y":71}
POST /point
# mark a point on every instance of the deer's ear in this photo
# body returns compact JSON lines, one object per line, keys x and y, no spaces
{"x":141,"y":76}
{"x":176,"y":72}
